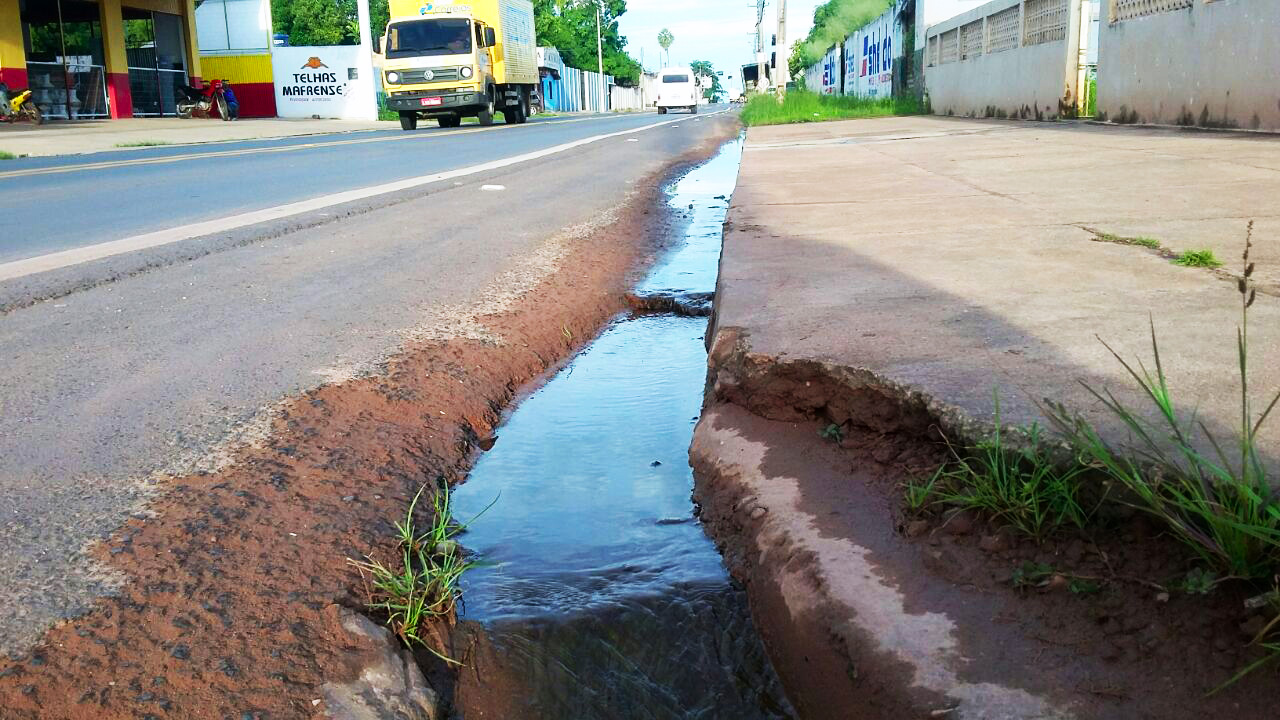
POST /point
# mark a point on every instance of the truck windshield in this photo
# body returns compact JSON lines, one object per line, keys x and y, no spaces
{"x":437,"y":36}
{"x":675,"y":78}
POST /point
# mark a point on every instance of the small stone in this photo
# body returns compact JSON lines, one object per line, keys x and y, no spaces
{"x":1060,"y":582}
{"x":758,"y":513}
{"x":655,"y":463}
{"x":1254,"y":625}
{"x":348,"y":498}
{"x":181,"y":652}
{"x":994,"y":543}
{"x":916,"y":528}
{"x":1162,"y":597}
{"x":962,"y":523}
{"x":146,"y":697}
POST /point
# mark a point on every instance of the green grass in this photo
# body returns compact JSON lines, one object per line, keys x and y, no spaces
{"x":1022,"y":488}
{"x":1145,"y":242}
{"x":802,"y":106}
{"x":422,"y":583}
{"x":7,"y":155}
{"x":1198,"y":258}
{"x":1220,"y":503}
{"x":143,"y":143}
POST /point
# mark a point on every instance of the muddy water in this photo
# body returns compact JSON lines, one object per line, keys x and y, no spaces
{"x":602,"y":597}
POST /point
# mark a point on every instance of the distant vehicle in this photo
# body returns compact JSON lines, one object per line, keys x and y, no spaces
{"x":677,"y":88}
{"x":449,"y":61}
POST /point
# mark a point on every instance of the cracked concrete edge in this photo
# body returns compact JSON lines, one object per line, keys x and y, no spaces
{"x":827,"y":589}
{"x":797,"y":389}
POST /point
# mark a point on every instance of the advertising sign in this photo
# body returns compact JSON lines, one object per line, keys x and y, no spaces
{"x":318,"y":82}
{"x":869,"y":54}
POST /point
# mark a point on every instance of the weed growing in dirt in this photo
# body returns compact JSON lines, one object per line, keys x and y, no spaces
{"x":1031,"y":574}
{"x":423,"y":585}
{"x":1023,"y":488}
{"x":1146,"y":242}
{"x":918,"y":495}
{"x":1198,"y":581}
{"x":801,"y":106}
{"x":7,"y":155}
{"x":1220,"y":503}
{"x":1141,"y":241}
{"x":832,"y":432}
{"x":1198,"y":258}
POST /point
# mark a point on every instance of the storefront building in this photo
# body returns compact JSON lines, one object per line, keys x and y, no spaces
{"x":100,"y":58}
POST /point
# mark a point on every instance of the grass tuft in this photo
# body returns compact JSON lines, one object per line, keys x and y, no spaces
{"x":422,"y":584}
{"x":1198,"y":258}
{"x":1021,"y":488}
{"x":1219,"y":503}
{"x":801,"y":106}
{"x":7,"y":155}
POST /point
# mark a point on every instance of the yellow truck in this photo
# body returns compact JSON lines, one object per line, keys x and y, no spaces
{"x":450,"y":59}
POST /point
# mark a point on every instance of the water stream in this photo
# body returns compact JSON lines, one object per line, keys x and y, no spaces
{"x":601,"y":591}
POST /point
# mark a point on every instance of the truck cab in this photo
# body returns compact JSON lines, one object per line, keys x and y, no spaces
{"x":449,"y":61}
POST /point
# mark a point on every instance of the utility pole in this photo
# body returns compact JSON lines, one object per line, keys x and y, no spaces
{"x":362,"y":84}
{"x":604,"y":103}
{"x":760,"y":63}
{"x":784,"y":52}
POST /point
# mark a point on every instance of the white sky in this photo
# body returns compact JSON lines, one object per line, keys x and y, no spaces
{"x":722,"y":31}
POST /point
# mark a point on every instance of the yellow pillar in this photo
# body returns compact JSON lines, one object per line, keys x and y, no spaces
{"x":13,"y":57}
{"x":117,"y":61}
{"x":193,"y":49}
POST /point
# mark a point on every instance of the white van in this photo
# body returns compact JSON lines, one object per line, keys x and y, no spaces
{"x":677,"y":88}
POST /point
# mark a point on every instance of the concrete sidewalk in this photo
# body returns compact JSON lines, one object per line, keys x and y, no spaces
{"x":898,"y":275}
{"x":955,"y":259}
{"x":89,"y":136}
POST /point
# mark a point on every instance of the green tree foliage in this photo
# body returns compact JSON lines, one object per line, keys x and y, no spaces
{"x":665,"y":39}
{"x":713,"y":89}
{"x":833,"y":21}
{"x":325,"y":22}
{"x":570,"y":26}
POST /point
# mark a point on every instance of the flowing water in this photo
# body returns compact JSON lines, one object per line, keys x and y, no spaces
{"x":600,"y":591}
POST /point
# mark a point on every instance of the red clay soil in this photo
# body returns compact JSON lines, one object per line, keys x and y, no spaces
{"x":1098,"y":635}
{"x":229,"y":611}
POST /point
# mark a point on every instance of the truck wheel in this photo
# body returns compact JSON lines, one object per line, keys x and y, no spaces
{"x":694,"y":109}
{"x":486,"y":115}
{"x":449,"y":121}
{"x":662,"y":111}
{"x":408,"y":120}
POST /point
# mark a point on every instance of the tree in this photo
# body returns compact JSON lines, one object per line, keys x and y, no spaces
{"x":713,"y":89}
{"x":570,"y":27}
{"x":325,"y":22}
{"x":665,"y":40}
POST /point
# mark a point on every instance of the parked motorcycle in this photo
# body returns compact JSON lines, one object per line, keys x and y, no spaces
{"x":200,"y":102}
{"x":17,"y":105}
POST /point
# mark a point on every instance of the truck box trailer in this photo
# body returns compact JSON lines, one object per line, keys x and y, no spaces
{"x":449,"y":60}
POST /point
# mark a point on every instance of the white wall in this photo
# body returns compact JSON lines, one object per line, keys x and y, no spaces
{"x":932,"y":12}
{"x":1027,"y":80}
{"x":1215,"y":63}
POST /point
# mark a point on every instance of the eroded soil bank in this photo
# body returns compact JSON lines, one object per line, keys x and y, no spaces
{"x":870,"y":611}
{"x":237,"y":578}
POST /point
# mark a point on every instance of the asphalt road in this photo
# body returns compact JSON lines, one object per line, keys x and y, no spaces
{"x":106,"y":196}
{"x":126,"y":375}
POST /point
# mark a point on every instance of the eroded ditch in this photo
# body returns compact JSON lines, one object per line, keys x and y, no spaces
{"x":601,"y":596}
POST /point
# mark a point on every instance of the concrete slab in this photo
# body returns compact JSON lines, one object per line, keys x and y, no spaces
{"x":88,"y":136}
{"x":956,"y":259}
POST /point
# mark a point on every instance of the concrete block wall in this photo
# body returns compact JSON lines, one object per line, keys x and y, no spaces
{"x":1007,"y":58}
{"x":1209,"y":63}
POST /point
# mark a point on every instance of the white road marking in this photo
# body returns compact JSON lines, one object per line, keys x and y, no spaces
{"x":76,"y":256}
{"x":493,"y":188}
